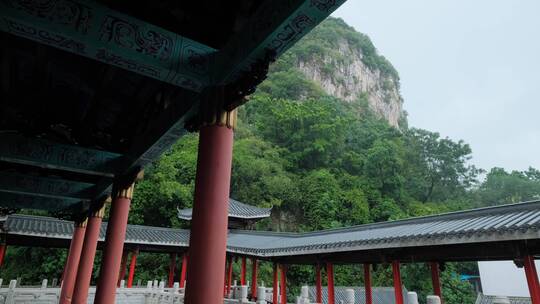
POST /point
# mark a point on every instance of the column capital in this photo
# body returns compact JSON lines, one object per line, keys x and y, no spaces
{"x":98,"y":208}
{"x":123,"y":187}
{"x":81,"y":223}
{"x":213,"y":111}
{"x":98,"y":212}
{"x":222,"y":118}
{"x":124,"y":191}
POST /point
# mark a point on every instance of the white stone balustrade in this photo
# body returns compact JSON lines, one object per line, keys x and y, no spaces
{"x":261,"y":295}
{"x":433,"y":300}
{"x":243,"y":294}
{"x":349,"y":296}
{"x":152,"y":294}
{"x":304,"y":296}
{"x":501,"y":300}
{"x":412,"y":297}
{"x":156,"y":293}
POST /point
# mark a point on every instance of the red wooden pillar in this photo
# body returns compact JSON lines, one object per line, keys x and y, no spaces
{"x":318,"y":284}
{"x":227,"y":265}
{"x":253,"y":279}
{"x":72,"y":262}
{"x":283,"y":285}
{"x":123,"y":265}
{"x":86,"y":264}
{"x":367,"y":284}
{"x":436,"y":280}
{"x":275,"y":288}
{"x":330,"y":274}
{"x":3,"y":249}
{"x":172,"y":267}
{"x":243,"y":272}
{"x":132,"y":265}
{"x":114,"y":243}
{"x":185,"y":259}
{"x":532,"y":278}
{"x":229,"y":276}
{"x":398,"y":291}
{"x":207,"y":245}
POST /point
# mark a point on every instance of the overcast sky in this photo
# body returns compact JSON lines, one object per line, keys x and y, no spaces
{"x":470,"y":69}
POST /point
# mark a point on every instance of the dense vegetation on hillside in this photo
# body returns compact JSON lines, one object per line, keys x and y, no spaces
{"x":321,"y":163}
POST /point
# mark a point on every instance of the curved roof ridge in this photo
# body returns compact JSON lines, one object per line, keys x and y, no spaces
{"x":528,"y":205}
{"x":237,"y":209}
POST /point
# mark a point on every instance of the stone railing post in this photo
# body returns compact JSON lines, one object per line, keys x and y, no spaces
{"x":44,"y":284}
{"x":412,"y":297}
{"x":148,"y":293}
{"x":11,"y":293}
{"x":349,"y":296}
{"x":304,"y":295}
{"x":433,"y":300}
{"x":123,"y":284}
{"x":501,"y":300}
{"x":233,"y":294}
{"x":243,"y":294}
{"x":261,"y":295}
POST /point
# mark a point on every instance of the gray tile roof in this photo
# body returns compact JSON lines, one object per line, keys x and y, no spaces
{"x":494,"y":224}
{"x":236,"y":210}
{"x":515,"y":222}
{"x":381,"y":295}
{"x":483,"y":299}
{"x":48,"y":227}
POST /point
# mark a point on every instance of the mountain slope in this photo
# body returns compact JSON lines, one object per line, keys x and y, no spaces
{"x":336,"y":60}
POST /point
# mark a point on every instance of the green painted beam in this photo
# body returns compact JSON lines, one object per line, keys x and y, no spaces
{"x":22,"y":201}
{"x":275,"y":27}
{"x":46,"y":154}
{"x":45,"y":186}
{"x":92,"y":30}
{"x":162,"y":132}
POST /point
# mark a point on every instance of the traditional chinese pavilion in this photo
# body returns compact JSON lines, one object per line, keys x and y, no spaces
{"x":509,"y":232}
{"x":92,"y":91}
{"x":241,"y":215}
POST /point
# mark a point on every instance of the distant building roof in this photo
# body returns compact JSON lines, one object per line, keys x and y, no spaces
{"x":236,"y":210}
{"x":381,"y":295}
{"x":483,"y":299}
{"x":481,"y":234}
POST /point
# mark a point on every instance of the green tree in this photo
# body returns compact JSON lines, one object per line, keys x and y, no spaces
{"x":168,"y":184}
{"x":440,"y":165}
{"x":383,"y":167}
{"x":501,"y":187}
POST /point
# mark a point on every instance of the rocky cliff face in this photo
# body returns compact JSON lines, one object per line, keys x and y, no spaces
{"x":351,"y":79}
{"x":345,"y":64}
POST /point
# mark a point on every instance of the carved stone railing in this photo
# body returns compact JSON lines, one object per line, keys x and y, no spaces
{"x":153,"y":293}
